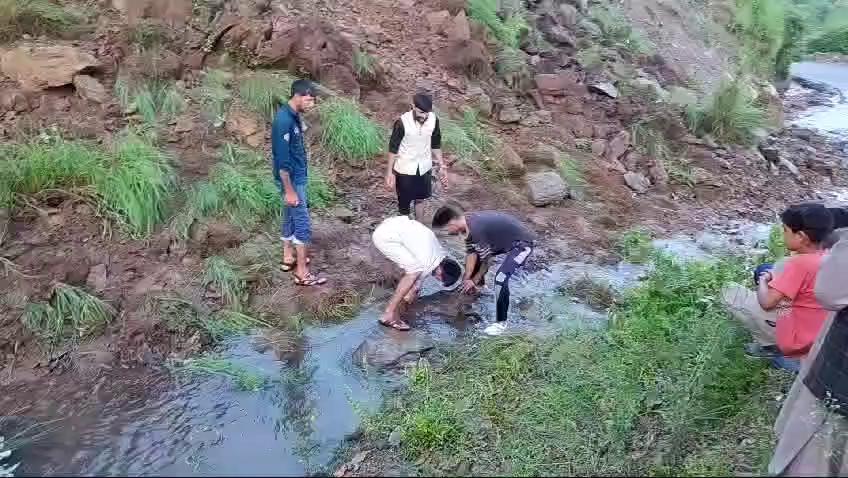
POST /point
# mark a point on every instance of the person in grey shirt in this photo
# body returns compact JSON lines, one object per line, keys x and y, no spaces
{"x":487,"y":234}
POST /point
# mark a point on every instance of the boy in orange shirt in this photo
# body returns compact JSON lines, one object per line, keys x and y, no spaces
{"x":792,"y":333}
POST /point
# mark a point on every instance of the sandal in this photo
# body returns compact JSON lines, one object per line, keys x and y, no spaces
{"x":289,"y":266}
{"x":309,"y":280}
{"x":397,"y":325}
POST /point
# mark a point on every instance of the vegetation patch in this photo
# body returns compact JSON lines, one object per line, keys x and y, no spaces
{"x":595,"y":294}
{"x":731,"y":115}
{"x":472,"y":144}
{"x":37,"y":17}
{"x":215,"y":96}
{"x":132,"y":182}
{"x":245,"y":378}
{"x":226,"y":279}
{"x":616,"y":30}
{"x":508,"y":29}
{"x":573,"y":173}
{"x":347,"y":133}
{"x":183,"y":317}
{"x":776,"y":244}
{"x":70,"y":314}
{"x":154,"y":100}
{"x":364,"y":65}
{"x":635,"y":246}
{"x":831,"y":41}
{"x":264,"y":92}
{"x":653,"y":392}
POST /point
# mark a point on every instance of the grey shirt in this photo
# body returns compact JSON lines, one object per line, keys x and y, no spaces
{"x":491,"y":233}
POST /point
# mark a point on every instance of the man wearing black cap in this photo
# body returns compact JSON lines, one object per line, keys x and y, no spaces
{"x":415,"y":155}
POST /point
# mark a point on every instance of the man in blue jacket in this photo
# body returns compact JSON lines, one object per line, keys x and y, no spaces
{"x":290,"y":172}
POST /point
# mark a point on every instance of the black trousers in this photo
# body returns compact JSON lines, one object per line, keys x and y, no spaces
{"x":515,"y":258}
{"x":412,"y":187}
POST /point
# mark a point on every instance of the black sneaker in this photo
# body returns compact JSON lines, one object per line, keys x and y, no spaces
{"x":762,"y":351}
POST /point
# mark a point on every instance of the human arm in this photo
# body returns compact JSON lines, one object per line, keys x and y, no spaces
{"x":768,"y":297}
{"x":394,"y":146}
{"x":281,"y":152}
{"x":405,"y":286}
{"x":440,"y":168}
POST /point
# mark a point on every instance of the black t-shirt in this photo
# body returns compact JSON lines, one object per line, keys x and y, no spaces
{"x":397,"y":136}
{"x":491,"y":233}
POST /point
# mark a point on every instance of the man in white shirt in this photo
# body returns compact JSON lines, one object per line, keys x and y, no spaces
{"x":414,"y":247}
{"x":415,"y":156}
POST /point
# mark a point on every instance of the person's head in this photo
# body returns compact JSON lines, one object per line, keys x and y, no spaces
{"x":302,"y":95}
{"x":805,"y":226}
{"x":840,"y":217}
{"x":449,"y":219}
{"x":448,"y":272}
{"x":422,"y":105}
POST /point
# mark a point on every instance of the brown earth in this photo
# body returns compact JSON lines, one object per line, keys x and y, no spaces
{"x":61,"y":239}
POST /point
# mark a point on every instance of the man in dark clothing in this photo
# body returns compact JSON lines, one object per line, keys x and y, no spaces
{"x":290,"y":172}
{"x":415,"y":149}
{"x":487,"y":234}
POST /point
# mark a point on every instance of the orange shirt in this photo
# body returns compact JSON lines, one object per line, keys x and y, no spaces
{"x":797,"y":330}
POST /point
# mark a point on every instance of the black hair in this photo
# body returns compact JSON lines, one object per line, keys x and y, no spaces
{"x":451,"y":271}
{"x":423,"y":102}
{"x":840,"y":217}
{"x":444,"y":215}
{"x":302,"y":88}
{"x":814,"y":220}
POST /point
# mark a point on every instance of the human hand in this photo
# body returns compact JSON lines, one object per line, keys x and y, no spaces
{"x":292,"y":199}
{"x":443,"y":178}
{"x":390,"y":182}
{"x":765,"y":277}
{"x":469,"y":287}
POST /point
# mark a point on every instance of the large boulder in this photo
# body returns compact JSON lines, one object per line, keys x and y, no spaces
{"x":480,"y":100}
{"x":246,"y":127}
{"x":546,"y":187}
{"x":41,"y":67}
{"x":390,"y":349}
{"x":459,"y":29}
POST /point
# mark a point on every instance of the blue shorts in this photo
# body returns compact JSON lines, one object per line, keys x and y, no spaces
{"x":296,"y":226}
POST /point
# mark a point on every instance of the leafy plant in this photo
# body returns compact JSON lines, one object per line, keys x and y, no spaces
{"x":635,"y":246}
{"x":148,"y":35}
{"x":776,"y":244}
{"x":37,"y":17}
{"x":730,"y":116}
{"x":573,"y":173}
{"x":265,"y":92}
{"x":347,"y":133}
{"x":154,"y":100}
{"x":71,"y":313}
{"x":508,"y":30}
{"x":830,"y":41}
{"x":617,"y":31}
{"x":227,"y":280}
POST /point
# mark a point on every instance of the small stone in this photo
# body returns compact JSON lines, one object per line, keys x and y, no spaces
{"x":480,"y":100}
{"x":184,"y":124}
{"x":599,"y":146}
{"x":790,"y":166}
{"x":511,"y":160}
{"x":509,"y":114}
{"x":770,"y":153}
{"x":618,"y":146}
{"x":395,"y":437}
{"x":637,"y":182}
{"x":604,"y":88}
{"x":90,"y":89}
{"x":559,"y":35}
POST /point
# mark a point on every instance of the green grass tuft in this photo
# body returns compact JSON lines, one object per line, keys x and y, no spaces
{"x":245,"y":378}
{"x":472,"y":144}
{"x":731,"y":116}
{"x":70,"y":314}
{"x":156,"y":101}
{"x":214,"y":94}
{"x":364,"y":65}
{"x":635,"y":246}
{"x":508,"y":31}
{"x":265,"y":92}
{"x":617,"y":31}
{"x":226,"y":279}
{"x":320,"y":193}
{"x":37,"y":17}
{"x":347,"y":133}
{"x":776,"y":244}
{"x":574,"y":174}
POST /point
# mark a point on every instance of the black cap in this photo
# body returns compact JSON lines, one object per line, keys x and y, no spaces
{"x":423,"y":102}
{"x":303,"y":88}
{"x":451,"y":272}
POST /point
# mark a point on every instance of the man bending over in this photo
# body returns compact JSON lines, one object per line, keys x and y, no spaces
{"x":413,"y":247}
{"x":487,"y":234}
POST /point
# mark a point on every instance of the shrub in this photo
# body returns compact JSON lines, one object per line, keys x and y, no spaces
{"x":36,"y":17}
{"x":265,"y":92}
{"x":731,"y":116}
{"x":831,"y":41}
{"x":617,"y":32}
{"x":71,"y":314}
{"x":347,"y":133}
{"x":508,"y":31}
{"x":761,"y":24}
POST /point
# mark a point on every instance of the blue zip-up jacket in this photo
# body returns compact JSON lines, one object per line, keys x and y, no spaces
{"x":287,"y":145}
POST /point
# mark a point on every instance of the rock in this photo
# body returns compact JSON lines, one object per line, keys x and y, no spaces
{"x":509,"y":114}
{"x":546,"y":188}
{"x":40,"y":67}
{"x":470,"y":57}
{"x":650,"y":87}
{"x":342,"y":213}
{"x":558,"y":84}
{"x":591,"y":28}
{"x":395,"y":437}
{"x":390,"y":349}
{"x":567,"y":15}
{"x":199,"y":232}
{"x":173,"y":12}
{"x":480,"y":100}
{"x":599,"y":146}
{"x":97,"y":279}
{"x":790,"y":166}
{"x":536,"y":118}
{"x":771,"y":153}
{"x":542,"y":154}
{"x":437,"y":20}
{"x":617,"y":146}
{"x":574,"y":106}
{"x":159,"y":64}
{"x":637,"y":182}
{"x":15,"y":101}
{"x":246,"y":127}
{"x":682,"y":97}
{"x":658,"y":173}
{"x":511,"y":160}
{"x":458,"y":29}
{"x":90,"y":89}
{"x":582,"y":5}
{"x":604,"y":88}
{"x":703,"y":177}
{"x":559,"y":35}
{"x":184,"y":124}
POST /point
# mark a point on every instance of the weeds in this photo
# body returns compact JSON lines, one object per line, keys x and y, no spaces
{"x":591,"y":58}
{"x":635,"y":246}
{"x":227,"y":280}
{"x":573,"y":173}
{"x":617,"y":31}
{"x":731,"y":116}
{"x":338,"y":306}
{"x":245,"y":378}
{"x":652,"y":392}
{"x":508,"y":31}
{"x":510,"y":63}
{"x":471,"y":143}
{"x":148,"y":35}
{"x":132,"y":182}
{"x":776,"y":244}
{"x":154,"y":100}
{"x":347,"y":133}
{"x":364,"y":65}
{"x":595,"y":294}
{"x":71,"y":313}
{"x":830,"y":41}
{"x":214,"y":94}
{"x":761,"y":25}
{"x":320,"y":193}
{"x":265,"y":92}
{"x":182,"y":317}
{"x":36,"y":17}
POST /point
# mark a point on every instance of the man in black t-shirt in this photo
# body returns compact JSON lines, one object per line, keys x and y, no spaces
{"x":415,"y":154}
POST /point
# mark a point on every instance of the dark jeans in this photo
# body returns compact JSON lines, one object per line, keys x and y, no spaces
{"x":515,"y":258}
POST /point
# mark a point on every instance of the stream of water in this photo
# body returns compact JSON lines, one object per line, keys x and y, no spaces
{"x":133,"y":423}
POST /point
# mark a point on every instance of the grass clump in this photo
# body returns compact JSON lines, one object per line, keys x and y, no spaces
{"x":70,"y":314}
{"x":653,"y":392}
{"x":227,"y":279}
{"x":320,"y":193}
{"x":347,"y":133}
{"x":154,"y":100}
{"x":574,"y":174}
{"x":508,"y":29}
{"x":617,"y":31}
{"x":131,"y":182}
{"x":214,"y":94}
{"x":635,"y":246}
{"x":595,"y":294}
{"x":245,"y":378}
{"x":183,"y":317}
{"x":36,"y":17}
{"x":472,"y":144}
{"x":265,"y":92}
{"x":731,"y":115}
{"x":364,"y":65}
{"x":511,"y":65}
{"x":830,"y":41}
